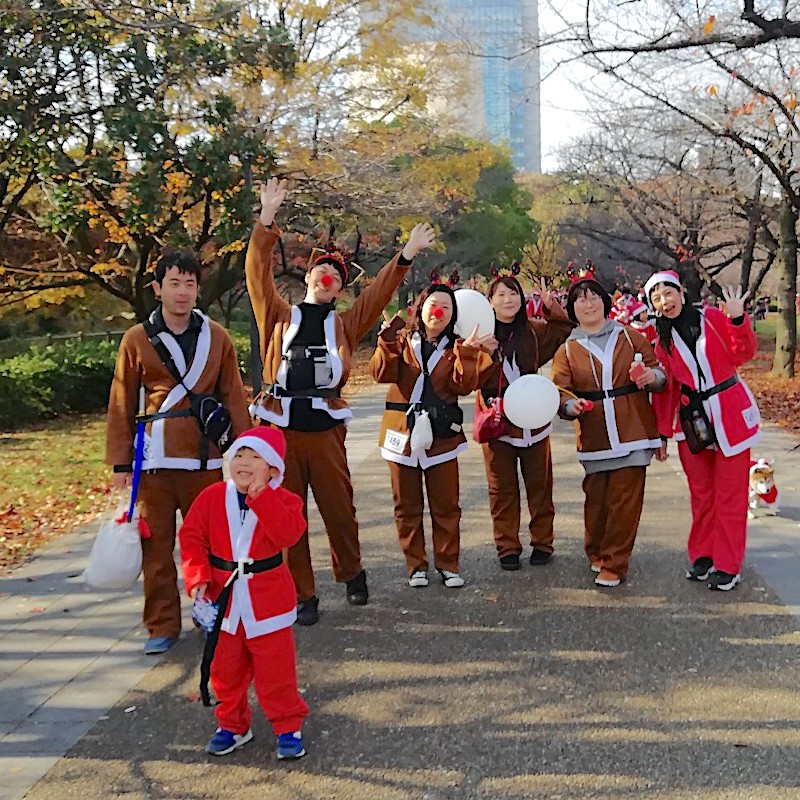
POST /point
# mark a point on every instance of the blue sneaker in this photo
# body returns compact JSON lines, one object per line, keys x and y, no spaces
{"x":290,"y":745}
{"x":224,"y":742}
{"x":158,"y":645}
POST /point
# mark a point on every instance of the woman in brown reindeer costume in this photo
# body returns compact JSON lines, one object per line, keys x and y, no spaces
{"x":427,"y":368}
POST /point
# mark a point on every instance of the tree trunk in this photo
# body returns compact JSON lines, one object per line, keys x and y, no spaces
{"x":786,"y":331}
{"x":753,"y":209}
{"x":690,"y":278}
{"x":142,"y":302}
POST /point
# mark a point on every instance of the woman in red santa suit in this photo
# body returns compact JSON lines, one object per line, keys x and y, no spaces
{"x":713,"y":414}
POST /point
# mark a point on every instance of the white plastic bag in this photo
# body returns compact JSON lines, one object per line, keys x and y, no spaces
{"x":116,"y":558}
{"x":422,"y":435}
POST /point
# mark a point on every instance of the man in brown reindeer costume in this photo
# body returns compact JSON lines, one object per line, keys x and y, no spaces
{"x":306,"y":350}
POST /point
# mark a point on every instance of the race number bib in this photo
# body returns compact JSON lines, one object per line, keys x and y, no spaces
{"x":395,"y":442}
{"x":148,"y":446}
{"x":751,"y":417}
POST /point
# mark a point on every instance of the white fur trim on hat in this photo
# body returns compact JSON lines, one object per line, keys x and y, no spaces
{"x":266,"y":452}
{"x":668,"y":276}
{"x":636,"y":308}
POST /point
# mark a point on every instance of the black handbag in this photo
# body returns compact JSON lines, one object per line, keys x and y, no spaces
{"x":212,"y":417}
{"x":695,"y":424}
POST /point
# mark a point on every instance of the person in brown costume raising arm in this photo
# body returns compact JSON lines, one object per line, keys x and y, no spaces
{"x":306,"y":351}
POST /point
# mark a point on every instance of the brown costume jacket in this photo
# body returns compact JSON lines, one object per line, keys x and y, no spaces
{"x":548,"y":333}
{"x":278,"y":323}
{"x":456,"y":372}
{"x":615,"y":426}
{"x":172,"y":443}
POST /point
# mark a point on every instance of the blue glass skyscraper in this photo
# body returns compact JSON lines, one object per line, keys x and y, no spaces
{"x":505,"y":34}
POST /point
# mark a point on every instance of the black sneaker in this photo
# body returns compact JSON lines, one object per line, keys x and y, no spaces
{"x":357,"y":592}
{"x":700,"y":570}
{"x":723,"y":581}
{"x":308,"y":611}
{"x":509,"y":562}
{"x":539,"y":557}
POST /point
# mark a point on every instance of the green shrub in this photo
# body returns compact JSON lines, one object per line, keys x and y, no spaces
{"x":69,"y":377}
{"x":74,"y":376}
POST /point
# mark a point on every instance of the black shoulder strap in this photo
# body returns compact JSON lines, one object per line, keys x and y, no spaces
{"x":163,"y":353}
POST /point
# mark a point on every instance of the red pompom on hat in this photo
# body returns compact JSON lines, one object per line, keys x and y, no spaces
{"x":269,"y":443}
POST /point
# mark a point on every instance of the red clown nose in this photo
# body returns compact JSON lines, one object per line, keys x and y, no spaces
{"x":326,"y":281}
{"x":437,"y":313}
{"x":589,"y":405}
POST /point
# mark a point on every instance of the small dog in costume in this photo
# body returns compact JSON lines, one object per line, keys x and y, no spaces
{"x":763,"y":490}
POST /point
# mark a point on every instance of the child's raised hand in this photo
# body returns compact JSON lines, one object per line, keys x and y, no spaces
{"x":260,"y":480}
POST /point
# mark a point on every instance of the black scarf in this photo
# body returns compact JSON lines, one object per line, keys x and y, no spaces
{"x":686,"y":325}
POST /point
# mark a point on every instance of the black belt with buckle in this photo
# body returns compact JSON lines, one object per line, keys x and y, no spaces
{"x":602,"y":394}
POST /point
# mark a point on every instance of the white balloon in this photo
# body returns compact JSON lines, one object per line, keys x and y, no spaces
{"x":473,"y":309}
{"x":531,"y":401}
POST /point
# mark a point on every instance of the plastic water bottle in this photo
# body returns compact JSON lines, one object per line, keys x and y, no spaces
{"x":637,"y":367}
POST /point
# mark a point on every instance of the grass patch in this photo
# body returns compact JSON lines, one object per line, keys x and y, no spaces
{"x":53,"y":480}
{"x":765,"y":328}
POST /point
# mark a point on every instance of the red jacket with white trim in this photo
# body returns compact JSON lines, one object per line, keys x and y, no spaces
{"x":263,"y":602}
{"x":721,"y":348}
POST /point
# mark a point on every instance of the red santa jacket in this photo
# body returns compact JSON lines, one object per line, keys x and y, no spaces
{"x":647,"y":329}
{"x":721,"y":348}
{"x":266,"y":601}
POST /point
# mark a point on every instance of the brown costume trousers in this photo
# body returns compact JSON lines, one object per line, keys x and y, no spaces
{"x":441,"y":482}
{"x":611,"y":513}
{"x":161,"y":494}
{"x":500,"y":460}
{"x":318,"y":459}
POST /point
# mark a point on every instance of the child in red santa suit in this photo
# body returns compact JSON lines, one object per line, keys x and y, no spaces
{"x":234,"y":535}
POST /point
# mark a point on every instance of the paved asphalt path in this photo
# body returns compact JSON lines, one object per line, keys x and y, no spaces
{"x":532,"y":684}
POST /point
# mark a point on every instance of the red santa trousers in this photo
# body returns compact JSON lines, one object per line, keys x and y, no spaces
{"x":718,"y":485}
{"x":269,"y":659}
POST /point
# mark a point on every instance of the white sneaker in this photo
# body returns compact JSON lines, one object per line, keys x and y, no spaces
{"x":419,"y":579}
{"x":452,"y":580}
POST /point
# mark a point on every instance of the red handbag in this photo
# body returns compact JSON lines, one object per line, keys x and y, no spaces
{"x":489,"y":422}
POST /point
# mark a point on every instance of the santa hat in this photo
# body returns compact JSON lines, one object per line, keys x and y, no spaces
{"x":761,"y":463}
{"x":668,"y":276}
{"x":269,"y":443}
{"x":636,"y":308}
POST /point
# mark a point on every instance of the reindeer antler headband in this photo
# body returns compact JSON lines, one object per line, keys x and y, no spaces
{"x":506,"y":272}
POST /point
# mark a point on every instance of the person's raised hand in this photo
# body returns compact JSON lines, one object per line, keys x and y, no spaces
{"x":734,"y":300}
{"x":477,"y":340}
{"x":545,"y":294}
{"x":260,"y":480}
{"x":273,"y":193}
{"x":422,"y":236}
